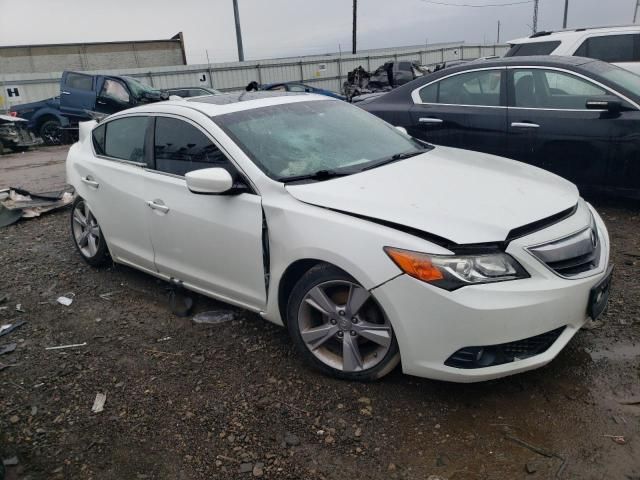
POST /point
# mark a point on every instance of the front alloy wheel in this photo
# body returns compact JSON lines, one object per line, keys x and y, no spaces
{"x":339,"y":327}
{"x":86,"y":233}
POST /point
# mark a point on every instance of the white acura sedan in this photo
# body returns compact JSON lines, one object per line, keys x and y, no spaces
{"x":372,"y":248}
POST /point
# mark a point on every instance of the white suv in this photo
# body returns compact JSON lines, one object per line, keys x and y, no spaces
{"x":617,"y":45}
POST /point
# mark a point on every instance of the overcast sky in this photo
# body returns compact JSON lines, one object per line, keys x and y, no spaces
{"x":276,"y":28}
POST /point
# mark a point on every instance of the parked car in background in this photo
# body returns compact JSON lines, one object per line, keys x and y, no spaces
{"x":82,"y":95}
{"x":371,"y":247}
{"x":573,"y":116}
{"x":617,"y":45}
{"x":15,"y":136}
{"x":187,"y":92}
{"x":299,"y":87}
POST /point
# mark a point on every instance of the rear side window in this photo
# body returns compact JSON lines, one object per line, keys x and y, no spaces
{"x":79,"y":81}
{"x":180,"y":148}
{"x":480,"y":88}
{"x":98,"y":139}
{"x":529,"y":49}
{"x":124,"y":139}
{"x":611,"y":48}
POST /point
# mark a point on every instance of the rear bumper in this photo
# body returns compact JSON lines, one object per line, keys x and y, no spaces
{"x":431,"y":324}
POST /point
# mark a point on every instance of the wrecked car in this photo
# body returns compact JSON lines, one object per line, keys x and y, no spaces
{"x":373,"y":249}
{"x":81,"y":95}
{"x":383,"y":79}
{"x":15,"y":136}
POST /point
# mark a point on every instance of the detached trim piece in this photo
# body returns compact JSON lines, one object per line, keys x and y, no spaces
{"x":532,"y":227}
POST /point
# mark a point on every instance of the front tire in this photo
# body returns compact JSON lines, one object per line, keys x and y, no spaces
{"x":339,"y":328}
{"x":87,"y":234}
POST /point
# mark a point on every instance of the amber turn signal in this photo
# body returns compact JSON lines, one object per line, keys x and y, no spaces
{"x":418,"y":265}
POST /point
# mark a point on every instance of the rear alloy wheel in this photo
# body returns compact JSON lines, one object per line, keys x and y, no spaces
{"x":338,"y":326}
{"x":51,"y":132}
{"x":87,"y":234}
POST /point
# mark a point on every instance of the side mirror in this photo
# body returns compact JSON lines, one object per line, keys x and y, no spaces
{"x":607,"y":102}
{"x":403,"y":130}
{"x":212,"y":181}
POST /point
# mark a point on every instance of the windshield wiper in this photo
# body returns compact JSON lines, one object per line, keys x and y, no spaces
{"x":394,"y":158}
{"x":317,"y":175}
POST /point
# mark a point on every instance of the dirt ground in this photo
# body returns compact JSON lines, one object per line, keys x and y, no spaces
{"x":232,"y":401}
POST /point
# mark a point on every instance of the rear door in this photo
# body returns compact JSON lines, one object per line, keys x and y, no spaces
{"x":212,"y":242}
{"x":77,"y":94}
{"x":465,"y":110}
{"x":550,"y":127}
{"x":112,"y":183}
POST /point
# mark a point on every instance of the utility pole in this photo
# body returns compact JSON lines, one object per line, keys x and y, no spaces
{"x":535,"y":15}
{"x":635,"y":13}
{"x":498,"y":38}
{"x":355,"y":23}
{"x":566,"y":9}
{"x":236,"y":14}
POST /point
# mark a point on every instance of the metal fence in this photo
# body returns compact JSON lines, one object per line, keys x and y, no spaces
{"x":324,"y":71}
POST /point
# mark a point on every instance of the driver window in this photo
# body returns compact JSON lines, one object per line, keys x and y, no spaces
{"x":537,"y":88}
{"x":114,"y":90}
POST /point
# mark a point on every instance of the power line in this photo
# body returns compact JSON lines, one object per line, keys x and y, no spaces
{"x":434,"y":2}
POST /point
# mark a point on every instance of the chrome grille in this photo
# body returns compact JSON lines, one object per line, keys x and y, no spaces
{"x":571,"y":256}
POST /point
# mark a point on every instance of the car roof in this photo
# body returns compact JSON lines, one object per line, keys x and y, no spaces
{"x":572,"y":33}
{"x":533,"y":60}
{"x":213,"y":105}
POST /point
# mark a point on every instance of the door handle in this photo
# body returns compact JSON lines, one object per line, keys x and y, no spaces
{"x":524,"y":125}
{"x":65,"y":92}
{"x":158,"y":205}
{"x":90,"y":181}
{"x":429,"y":120}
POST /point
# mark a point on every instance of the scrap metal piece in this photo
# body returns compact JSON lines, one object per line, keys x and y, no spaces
{"x":73,"y":345}
{"x":8,"y":348}
{"x":98,"y":403}
{"x":10,"y":327}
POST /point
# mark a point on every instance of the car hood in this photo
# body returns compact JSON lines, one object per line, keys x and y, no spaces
{"x":462,"y":196}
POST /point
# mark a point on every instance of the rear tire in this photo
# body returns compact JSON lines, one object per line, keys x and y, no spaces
{"x":339,"y":328}
{"x":51,"y":132}
{"x":87,"y":234}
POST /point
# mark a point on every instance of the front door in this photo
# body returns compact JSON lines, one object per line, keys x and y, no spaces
{"x":112,"y":183}
{"x":465,"y":110}
{"x":550,"y":127}
{"x":113,"y":96}
{"x":212,"y":242}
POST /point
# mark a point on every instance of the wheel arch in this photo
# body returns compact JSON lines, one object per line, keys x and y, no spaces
{"x":290,"y":277}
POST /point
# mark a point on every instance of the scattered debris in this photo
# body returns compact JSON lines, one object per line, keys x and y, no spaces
{"x":179,"y":302}
{"x":540,"y":451}
{"x":73,"y":345}
{"x":163,"y":339}
{"x":98,"y":403}
{"x":630,"y":401}
{"x":258,"y":469}
{"x":531,"y":467}
{"x":10,"y":347}
{"x":10,"y":462}
{"x":10,"y":327}
{"x":16,"y":203}
{"x":66,"y":299}
{"x":214,"y":316}
{"x":19,"y":308}
{"x":107,"y":296}
{"x":619,"y":439}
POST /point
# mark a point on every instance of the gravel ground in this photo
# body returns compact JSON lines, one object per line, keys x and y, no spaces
{"x":233,"y":401}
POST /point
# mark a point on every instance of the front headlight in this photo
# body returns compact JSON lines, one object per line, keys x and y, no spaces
{"x":454,"y":271}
